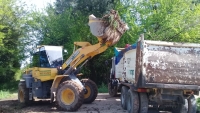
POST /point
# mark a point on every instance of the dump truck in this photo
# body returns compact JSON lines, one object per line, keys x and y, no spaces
{"x":156,"y":74}
{"x":55,"y":79}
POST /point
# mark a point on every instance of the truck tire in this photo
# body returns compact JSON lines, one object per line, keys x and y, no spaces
{"x":132,"y":102}
{"x":181,"y":108}
{"x":91,"y":92}
{"x":112,"y":92}
{"x":124,"y":97}
{"x":144,"y":103}
{"x":23,"y":94}
{"x":192,"y":105}
{"x":69,"y":96}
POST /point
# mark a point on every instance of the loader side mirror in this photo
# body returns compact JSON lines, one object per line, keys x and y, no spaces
{"x":65,"y":52}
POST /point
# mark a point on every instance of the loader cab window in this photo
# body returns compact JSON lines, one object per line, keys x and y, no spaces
{"x":55,"y":55}
{"x":35,"y":60}
{"x":48,"y":56}
{"x":44,"y":62}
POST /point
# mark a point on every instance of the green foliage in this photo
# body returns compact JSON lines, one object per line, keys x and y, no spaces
{"x":11,"y":33}
{"x":198,"y":104}
{"x":10,"y":86}
{"x":4,"y":94}
{"x":103,"y":88}
{"x":18,"y":74}
{"x":168,"y":20}
{"x":8,"y":89}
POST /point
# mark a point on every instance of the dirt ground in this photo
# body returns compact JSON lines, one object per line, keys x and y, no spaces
{"x":103,"y":104}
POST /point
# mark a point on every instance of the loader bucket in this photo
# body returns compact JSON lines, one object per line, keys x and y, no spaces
{"x":109,"y":28}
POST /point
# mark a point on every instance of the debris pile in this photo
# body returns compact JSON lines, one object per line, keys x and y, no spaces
{"x":110,"y":27}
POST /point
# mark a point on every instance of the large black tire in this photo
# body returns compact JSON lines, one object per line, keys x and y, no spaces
{"x":91,"y":90}
{"x":132,"y":102}
{"x":69,"y":96}
{"x":124,"y":97}
{"x":23,"y":94}
{"x":192,"y":105}
{"x":181,"y":108}
{"x":112,"y":92}
{"x":144,"y":103}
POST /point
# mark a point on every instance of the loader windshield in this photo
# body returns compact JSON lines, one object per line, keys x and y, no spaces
{"x":54,"y":55}
{"x":47,"y":56}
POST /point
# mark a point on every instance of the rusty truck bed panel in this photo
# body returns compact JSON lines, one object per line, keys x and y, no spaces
{"x":170,"y":63}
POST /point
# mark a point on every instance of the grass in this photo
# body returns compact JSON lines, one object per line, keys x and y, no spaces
{"x":103,"y":88}
{"x":5,"y":94}
{"x":7,"y":90}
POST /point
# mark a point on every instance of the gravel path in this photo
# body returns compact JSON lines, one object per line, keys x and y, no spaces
{"x":103,"y":104}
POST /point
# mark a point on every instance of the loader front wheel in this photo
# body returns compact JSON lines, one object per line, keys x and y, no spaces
{"x":91,"y":90}
{"x":69,"y":96}
{"x":23,"y":94}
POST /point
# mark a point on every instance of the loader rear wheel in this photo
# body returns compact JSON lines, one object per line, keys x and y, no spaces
{"x":132,"y":102}
{"x":69,"y":96}
{"x":112,"y":91}
{"x":123,"y":96}
{"x":91,"y":90}
{"x":23,"y":94}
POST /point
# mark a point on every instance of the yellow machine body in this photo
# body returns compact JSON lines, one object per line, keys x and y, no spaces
{"x":44,"y":74}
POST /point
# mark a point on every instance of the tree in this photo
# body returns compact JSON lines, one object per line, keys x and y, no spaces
{"x":168,"y":20}
{"x":10,"y":36}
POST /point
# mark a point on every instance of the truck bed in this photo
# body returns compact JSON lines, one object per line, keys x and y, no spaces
{"x":161,"y":64}
{"x":171,"y":63}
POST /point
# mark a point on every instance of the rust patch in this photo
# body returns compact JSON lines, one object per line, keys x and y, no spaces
{"x":171,"y":65}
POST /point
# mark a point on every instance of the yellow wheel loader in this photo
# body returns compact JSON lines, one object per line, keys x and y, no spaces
{"x":52,"y":78}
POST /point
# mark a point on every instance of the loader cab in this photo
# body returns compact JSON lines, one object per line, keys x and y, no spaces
{"x":48,"y":56}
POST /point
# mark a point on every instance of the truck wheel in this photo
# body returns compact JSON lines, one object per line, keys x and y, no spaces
{"x":144,"y":103}
{"x":112,"y":92}
{"x":69,"y":96}
{"x":23,"y":94}
{"x":123,"y":96}
{"x":181,"y":108}
{"x":192,"y":105}
{"x":91,"y":90}
{"x":132,"y":102}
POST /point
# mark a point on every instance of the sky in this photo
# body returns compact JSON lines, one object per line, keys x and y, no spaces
{"x":39,"y":4}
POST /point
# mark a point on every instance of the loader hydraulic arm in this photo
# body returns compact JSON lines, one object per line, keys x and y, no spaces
{"x":108,"y":31}
{"x":86,"y":52}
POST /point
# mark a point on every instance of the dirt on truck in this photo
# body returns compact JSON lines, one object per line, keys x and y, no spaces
{"x":157,"y":74}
